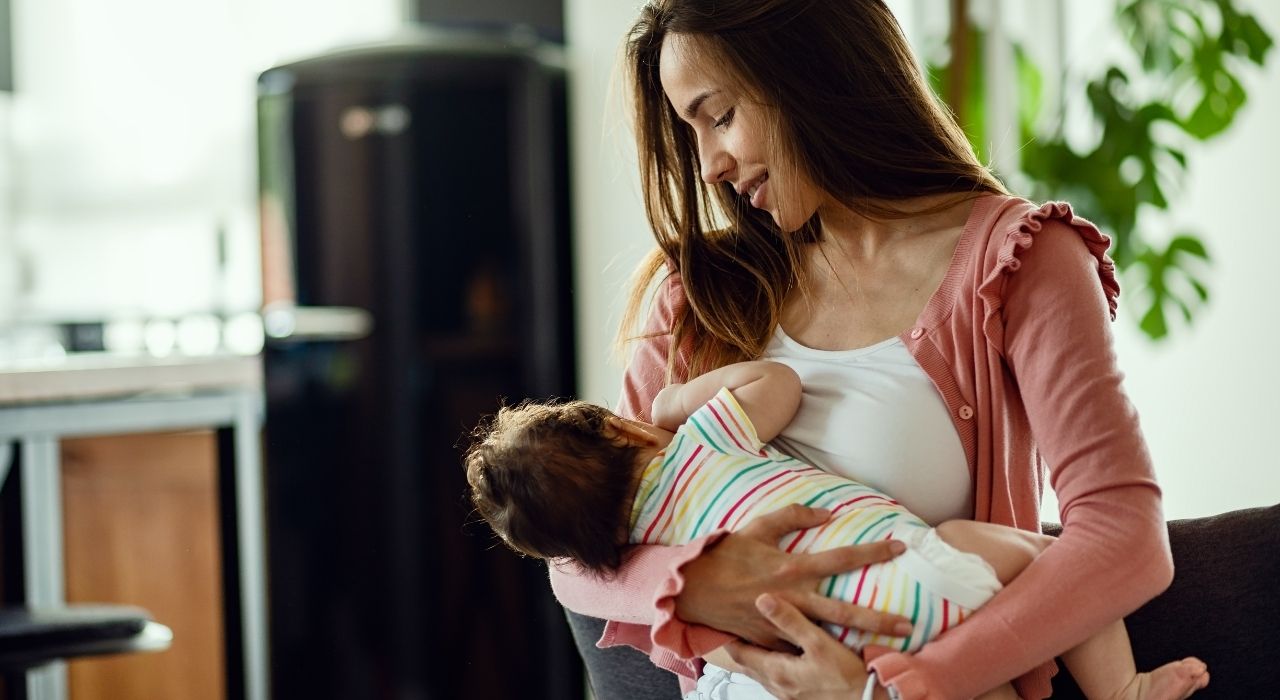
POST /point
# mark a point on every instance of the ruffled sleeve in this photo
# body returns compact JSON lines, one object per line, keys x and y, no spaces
{"x":1018,"y":237}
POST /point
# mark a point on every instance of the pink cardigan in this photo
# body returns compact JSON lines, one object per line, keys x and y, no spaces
{"x":1017,"y":340}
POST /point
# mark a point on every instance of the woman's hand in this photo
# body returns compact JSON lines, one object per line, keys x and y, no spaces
{"x":823,"y":669}
{"x":722,"y":585}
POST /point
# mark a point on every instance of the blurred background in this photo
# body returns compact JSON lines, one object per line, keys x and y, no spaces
{"x":401,"y":210}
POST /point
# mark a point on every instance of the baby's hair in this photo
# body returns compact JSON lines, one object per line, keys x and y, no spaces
{"x":552,"y":482}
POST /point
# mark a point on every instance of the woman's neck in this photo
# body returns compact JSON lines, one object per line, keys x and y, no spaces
{"x":859,"y":237}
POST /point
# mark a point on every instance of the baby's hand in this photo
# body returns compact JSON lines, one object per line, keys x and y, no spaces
{"x":667,"y":411}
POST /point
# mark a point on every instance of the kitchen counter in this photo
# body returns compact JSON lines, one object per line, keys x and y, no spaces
{"x":43,"y":401}
{"x":96,"y":376}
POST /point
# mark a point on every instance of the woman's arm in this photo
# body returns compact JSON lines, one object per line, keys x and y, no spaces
{"x":1113,"y":555}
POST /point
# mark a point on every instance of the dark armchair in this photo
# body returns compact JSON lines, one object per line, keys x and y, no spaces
{"x":1223,"y":606}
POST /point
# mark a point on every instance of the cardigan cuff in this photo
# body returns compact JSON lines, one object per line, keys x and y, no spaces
{"x":670,"y":632}
{"x":670,"y":642}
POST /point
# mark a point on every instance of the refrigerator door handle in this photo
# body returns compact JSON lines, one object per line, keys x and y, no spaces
{"x":286,"y":323}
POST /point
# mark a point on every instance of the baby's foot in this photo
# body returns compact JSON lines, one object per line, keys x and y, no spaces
{"x":1172,"y":681}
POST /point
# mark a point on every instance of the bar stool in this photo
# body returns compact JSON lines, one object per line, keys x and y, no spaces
{"x":33,"y":637}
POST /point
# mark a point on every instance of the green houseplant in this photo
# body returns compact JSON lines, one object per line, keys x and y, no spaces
{"x":1180,"y":84}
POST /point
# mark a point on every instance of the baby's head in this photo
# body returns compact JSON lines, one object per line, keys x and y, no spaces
{"x":553,"y":480}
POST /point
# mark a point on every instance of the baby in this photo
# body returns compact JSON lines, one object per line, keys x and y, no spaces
{"x":573,"y":480}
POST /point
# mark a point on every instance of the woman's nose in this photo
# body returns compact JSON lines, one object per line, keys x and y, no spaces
{"x":717,"y":165}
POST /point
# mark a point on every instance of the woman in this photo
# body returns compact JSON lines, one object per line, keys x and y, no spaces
{"x":813,"y":205}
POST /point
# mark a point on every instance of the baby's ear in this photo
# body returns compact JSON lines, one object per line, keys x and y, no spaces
{"x":629,"y":433}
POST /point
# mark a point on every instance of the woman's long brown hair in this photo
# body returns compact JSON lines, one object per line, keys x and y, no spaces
{"x":847,"y":106}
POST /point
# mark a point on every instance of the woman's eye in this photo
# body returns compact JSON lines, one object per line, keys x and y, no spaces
{"x":725,"y":120}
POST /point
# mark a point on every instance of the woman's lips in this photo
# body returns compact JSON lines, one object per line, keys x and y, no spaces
{"x":756,"y":192}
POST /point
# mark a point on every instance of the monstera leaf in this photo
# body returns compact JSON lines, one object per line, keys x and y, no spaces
{"x":1181,"y":85}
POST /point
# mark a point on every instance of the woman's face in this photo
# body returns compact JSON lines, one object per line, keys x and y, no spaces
{"x":733,"y":138}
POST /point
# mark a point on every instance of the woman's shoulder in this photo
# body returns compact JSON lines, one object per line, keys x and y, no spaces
{"x":1008,"y":223}
{"x":1005,"y":230}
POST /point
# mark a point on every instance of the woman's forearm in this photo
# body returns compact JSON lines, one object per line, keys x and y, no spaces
{"x":1052,"y":606}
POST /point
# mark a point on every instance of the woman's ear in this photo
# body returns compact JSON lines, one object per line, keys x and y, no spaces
{"x":630,"y":432}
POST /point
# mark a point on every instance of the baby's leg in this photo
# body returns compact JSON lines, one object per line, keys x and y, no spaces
{"x":1103,"y":664}
{"x":1103,"y":668}
{"x":1008,"y":550}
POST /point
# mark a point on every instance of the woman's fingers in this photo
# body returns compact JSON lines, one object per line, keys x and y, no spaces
{"x":792,"y":625}
{"x":837,"y":561}
{"x":724,"y":582}
{"x":771,"y":527}
{"x":816,"y":606}
{"x":845,"y":559}
{"x":776,"y":670}
{"x":824,"y":668}
{"x":761,"y":663}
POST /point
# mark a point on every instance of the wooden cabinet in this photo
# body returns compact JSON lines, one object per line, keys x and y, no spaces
{"x":140,"y":526}
{"x":139,"y":482}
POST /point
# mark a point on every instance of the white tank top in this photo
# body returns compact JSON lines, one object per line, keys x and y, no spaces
{"x":873,"y":415}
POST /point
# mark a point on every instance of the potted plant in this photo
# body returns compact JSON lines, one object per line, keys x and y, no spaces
{"x":1180,"y":84}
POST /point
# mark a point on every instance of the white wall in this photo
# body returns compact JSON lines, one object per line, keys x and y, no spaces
{"x":1208,"y":397}
{"x":611,"y":231}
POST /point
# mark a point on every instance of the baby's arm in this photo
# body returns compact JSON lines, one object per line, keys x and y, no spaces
{"x":769,"y":392}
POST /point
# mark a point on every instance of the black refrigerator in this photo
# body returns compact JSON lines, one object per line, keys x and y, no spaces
{"x":416,"y":255}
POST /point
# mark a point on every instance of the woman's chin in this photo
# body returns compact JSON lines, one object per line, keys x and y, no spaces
{"x":784,"y":224}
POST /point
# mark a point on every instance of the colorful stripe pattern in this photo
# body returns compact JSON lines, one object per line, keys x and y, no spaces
{"x":716,"y":475}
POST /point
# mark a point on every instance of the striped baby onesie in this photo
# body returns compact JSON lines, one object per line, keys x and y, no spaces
{"x":717,"y":475}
